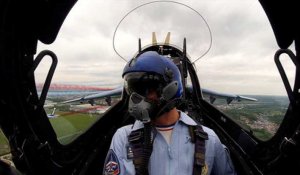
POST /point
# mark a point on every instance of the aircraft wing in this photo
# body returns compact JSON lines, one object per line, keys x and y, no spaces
{"x":91,"y":98}
{"x":213,"y":95}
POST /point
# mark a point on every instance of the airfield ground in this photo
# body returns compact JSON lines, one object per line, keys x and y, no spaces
{"x":262,"y":117}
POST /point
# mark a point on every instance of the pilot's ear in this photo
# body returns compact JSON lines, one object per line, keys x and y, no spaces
{"x":170,"y":90}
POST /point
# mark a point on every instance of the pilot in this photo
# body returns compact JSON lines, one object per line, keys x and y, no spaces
{"x":163,"y":140}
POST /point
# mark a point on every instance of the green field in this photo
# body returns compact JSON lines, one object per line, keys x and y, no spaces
{"x":67,"y":128}
{"x":4,"y":148}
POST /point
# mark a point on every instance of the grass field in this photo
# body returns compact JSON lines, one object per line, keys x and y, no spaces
{"x":4,"y":148}
{"x":67,"y":128}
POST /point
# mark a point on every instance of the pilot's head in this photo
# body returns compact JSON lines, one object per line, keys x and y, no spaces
{"x":154,"y":85}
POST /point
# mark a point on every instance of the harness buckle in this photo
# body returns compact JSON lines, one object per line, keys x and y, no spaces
{"x":135,"y":135}
{"x":129,"y":153}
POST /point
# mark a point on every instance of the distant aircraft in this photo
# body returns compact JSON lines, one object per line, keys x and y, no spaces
{"x":34,"y":144}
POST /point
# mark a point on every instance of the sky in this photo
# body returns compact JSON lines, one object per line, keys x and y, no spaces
{"x":235,"y":35}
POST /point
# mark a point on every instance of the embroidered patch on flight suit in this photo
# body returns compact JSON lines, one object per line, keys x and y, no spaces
{"x":111,"y":165}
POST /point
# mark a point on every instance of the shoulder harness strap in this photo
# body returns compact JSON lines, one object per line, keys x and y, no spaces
{"x":139,"y":150}
{"x":198,"y":136}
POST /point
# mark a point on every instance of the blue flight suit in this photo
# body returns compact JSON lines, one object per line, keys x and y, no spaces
{"x":173,"y":159}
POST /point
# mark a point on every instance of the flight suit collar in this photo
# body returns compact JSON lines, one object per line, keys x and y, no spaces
{"x":184,"y":118}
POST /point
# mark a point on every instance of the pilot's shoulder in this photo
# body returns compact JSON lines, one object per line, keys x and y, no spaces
{"x":124,"y":131}
{"x":120,"y":138}
{"x":210,"y":132}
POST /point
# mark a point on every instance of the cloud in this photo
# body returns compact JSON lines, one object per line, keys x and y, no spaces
{"x":239,"y":61}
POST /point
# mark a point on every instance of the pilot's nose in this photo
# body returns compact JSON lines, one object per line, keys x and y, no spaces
{"x":152,"y":94}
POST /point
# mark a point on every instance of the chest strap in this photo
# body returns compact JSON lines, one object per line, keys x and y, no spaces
{"x":198,"y":137}
{"x":139,"y":149}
